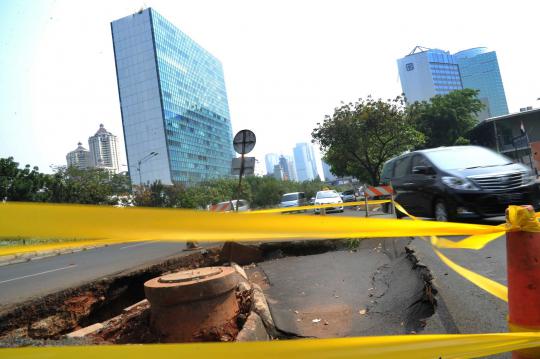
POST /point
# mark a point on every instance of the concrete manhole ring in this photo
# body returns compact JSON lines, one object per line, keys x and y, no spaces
{"x":191,"y":275}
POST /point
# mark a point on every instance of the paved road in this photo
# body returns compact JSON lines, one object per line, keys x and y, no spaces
{"x":23,"y":281}
{"x":369,"y":291}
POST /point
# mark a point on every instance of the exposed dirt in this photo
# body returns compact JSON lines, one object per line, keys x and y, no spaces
{"x":59,"y":313}
{"x":134,"y":326}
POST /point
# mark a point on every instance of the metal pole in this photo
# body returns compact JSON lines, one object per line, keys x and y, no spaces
{"x":366,"y":200}
{"x":139,"y":170}
{"x":392,"y":204}
{"x":238,"y":192}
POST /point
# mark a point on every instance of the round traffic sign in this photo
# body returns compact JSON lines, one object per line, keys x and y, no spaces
{"x":244,"y":142}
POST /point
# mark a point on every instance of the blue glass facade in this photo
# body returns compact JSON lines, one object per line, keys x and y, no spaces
{"x":444,"y":71}
{"x":428,"y":73}
{"x":173,"y":102}
{"x":305,"y":162}
{"x":480,"y":71}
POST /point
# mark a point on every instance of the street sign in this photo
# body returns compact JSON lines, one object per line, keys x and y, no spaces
{"x":249,"y":166}
{"x":244,"y":142}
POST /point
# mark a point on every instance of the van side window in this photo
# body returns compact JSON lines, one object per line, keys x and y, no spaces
{"x":419,"y":160}
{"x":401,"y":168}
{"x":386,"y":174}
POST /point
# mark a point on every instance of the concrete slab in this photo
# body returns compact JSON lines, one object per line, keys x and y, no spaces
{"x":368,"y":292}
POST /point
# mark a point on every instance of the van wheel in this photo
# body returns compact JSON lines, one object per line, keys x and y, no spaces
{"x":441,"y":211}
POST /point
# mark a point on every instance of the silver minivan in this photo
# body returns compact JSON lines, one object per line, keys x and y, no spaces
{"x":294,"y":199}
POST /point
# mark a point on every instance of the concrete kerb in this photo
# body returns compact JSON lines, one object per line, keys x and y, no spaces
{"x":259,"y":324}
{"x":260,"y":306}
{"x":32,"y":256}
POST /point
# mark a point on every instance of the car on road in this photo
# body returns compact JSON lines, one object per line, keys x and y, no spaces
{"x":449,"y":183}
{"x":348,"y":196}
{"x":293,"y":199}
{"x":328,"y":197}
{"x":229,"y":206}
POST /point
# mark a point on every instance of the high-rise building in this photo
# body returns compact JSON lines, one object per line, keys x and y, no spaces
{"x":479,"y":70}
{"x":305,"y":162}
{"x":284,"y":164}
{"x":425,"y":73}
{"x":277,"y":172}
{"x":104,"y":150}
{"x":328,"y":176}
{"x":173,"y":102}
{"x":80,"y":157}
{"x":293,"y":176}
{"x":270,"y":160}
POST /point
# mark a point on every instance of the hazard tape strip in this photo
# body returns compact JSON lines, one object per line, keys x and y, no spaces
{"x":388,"y":347}
{"x":494,"y":288}
{"x":108,"y":225}
{"x":316,"y":206}
{"x":473,"y":242}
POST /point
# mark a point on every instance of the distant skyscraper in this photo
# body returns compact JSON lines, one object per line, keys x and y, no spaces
{"x":305,"y":162}
{"x":104,"y":150}
{"x":173,"y":102}
{"x":293,"y":176}
{"x":271,"y":160}
{"x":328,"y":176}
{"x":284,"y":164}
{"x":425,"y":73}
{"x":80,"y":157}
{"x":277,"y":172}
{"x":479,"y":70}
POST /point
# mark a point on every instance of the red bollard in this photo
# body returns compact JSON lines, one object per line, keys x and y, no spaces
{"x":523,"y":258}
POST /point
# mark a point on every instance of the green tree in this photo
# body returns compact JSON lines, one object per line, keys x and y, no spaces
{"x":446,"y":119}
{"x":359,"y":137}
{"x":85,"y":186}
{"x":26,"y":184}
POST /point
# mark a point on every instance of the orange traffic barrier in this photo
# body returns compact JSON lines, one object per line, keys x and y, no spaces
{"x":523,"y":257}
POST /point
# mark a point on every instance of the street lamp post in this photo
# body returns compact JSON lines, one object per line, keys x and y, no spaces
{"x":143,"y":160}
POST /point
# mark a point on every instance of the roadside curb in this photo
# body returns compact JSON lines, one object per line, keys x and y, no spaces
{"x":32,"y":256}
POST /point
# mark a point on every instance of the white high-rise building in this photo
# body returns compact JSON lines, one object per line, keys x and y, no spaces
{"x":305,"y":162}
{"x":271,"y":159}
{"x":104,"y":150}
{"x":80,"y":157}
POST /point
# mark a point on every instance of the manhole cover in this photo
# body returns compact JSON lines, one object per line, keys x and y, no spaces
{"x":190,"y":275}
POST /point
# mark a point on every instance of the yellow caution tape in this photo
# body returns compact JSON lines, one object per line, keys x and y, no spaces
{"x":473,"y":242}
{"x":490,"y":286}
{"x":389,"y":347}
{"x":404,"y":211}
{"x":107,"y":225}
{"x":520,"y":218}
{"x":316,"y":206}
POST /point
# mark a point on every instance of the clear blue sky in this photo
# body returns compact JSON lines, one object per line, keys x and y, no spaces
{"x":287,"y":63}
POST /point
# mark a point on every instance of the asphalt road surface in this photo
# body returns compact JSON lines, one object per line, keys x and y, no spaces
{"x":22,"y":281}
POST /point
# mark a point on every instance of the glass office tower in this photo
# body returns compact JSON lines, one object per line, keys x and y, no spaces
{"x":425,"y":73}
{"x":173,"y":102}
{"x":480,"y":71}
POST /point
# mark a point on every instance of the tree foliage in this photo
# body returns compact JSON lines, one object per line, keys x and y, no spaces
{"x":26,"y":184}
{"x":359,"y":137}
{"x":98,"y":186}
{"x":65,"y":185}
{"x":446,"y":119}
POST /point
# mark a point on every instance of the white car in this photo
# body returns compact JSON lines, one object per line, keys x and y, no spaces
{"x":327,"y":197}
